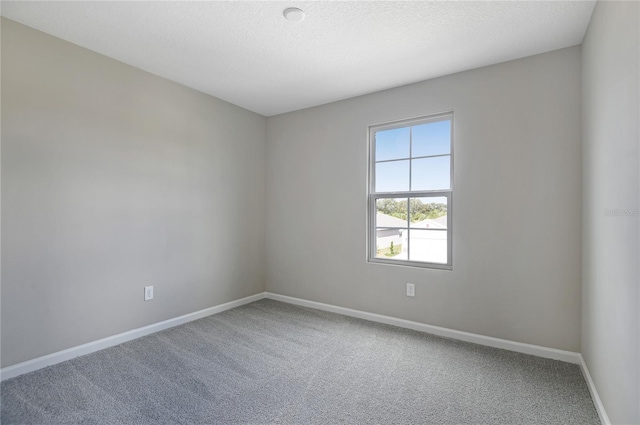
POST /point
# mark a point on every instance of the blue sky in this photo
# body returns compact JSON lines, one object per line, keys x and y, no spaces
{"x":422,"y":140}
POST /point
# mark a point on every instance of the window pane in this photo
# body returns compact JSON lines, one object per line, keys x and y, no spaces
{"x":431,"y":173}
{"x":410,"y":184}
{"x":428,"y":213}
{"x":391,"y":243}
{"x":428,"y":245}
{"x":392,"y":176}
{"x":392,"y":144}
{"x":433,"y":138}
{"x":391,"y":212}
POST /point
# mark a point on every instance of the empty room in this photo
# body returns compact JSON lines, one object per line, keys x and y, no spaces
{"x":320,"y":212}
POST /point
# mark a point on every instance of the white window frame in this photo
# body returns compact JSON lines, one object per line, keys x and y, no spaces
{"x":373,"y":196}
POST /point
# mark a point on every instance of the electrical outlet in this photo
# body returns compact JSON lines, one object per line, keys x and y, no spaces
{"x":148,"y":293}
{"x":411,"y":290}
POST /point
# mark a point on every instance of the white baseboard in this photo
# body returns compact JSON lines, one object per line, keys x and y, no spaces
{"x":536,"y":350}
{"x":91,"y":347}
{"x":604,"y":418}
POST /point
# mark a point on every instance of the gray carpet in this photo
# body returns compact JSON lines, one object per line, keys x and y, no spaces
{"x":270,"y":362}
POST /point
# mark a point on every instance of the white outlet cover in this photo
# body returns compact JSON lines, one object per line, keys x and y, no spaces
{"x":148,"y":293}
{"x":411,"y":290}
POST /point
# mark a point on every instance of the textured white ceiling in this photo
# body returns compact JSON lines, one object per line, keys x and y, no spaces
{"x":246,"y":53}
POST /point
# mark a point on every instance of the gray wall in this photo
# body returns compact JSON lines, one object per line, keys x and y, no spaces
{"x":517,"y":203}
{"x":113,"y":179}
{"x":611,"y":181}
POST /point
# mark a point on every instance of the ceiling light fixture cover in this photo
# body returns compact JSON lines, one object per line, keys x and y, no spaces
{"x":294,"y":14}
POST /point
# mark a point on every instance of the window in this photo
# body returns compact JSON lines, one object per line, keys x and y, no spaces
{"x":410,"y":190}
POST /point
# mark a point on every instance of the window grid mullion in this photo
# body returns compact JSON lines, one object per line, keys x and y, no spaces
{"x":409,"y":199}
{"x":416,"y":194}
{"x":412,"y":157}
